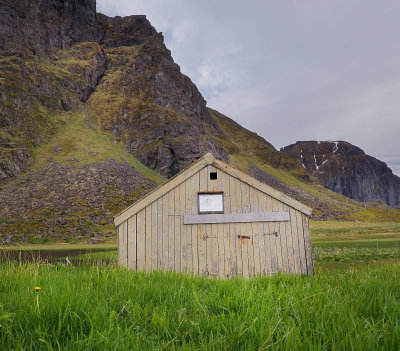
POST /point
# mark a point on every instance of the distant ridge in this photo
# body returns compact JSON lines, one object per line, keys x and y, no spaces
{"x":346,"y":169}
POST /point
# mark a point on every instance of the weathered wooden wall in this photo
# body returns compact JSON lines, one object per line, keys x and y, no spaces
{"x":157,"y":239}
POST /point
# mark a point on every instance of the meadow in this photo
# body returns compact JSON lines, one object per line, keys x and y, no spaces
{"x":104,"y":307}
{"x":329,"y":233}
{"x":351,"y":303}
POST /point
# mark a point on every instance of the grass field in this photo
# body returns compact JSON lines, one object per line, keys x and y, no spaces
{"x":110,"y":308}
{"x":351,"y":303}
{"x":61,"y":246}
{"x":340,"y":231}
{"x":337,"y":246}
{"x":341,"y":246}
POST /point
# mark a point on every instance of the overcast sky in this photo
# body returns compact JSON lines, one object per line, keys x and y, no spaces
{"x":290,"y":70}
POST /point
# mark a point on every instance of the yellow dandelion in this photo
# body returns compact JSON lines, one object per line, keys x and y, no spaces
{"x":37,"y":289}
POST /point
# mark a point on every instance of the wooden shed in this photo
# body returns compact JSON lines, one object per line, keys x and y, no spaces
{"x":213,"y":220}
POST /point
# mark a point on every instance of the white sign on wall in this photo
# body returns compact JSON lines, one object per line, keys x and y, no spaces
{"x":211,"y":203}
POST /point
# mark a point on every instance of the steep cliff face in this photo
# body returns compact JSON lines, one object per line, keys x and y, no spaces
{"x":347,"y":170}
{"x":155,"y":110}
{"x":41,"y":25}
{"x":54,"y":54}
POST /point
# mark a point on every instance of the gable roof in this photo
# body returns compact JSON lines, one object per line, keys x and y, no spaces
{"x":196,"y":166}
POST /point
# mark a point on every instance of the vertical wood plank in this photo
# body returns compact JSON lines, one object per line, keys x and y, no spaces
{"x":227,"y":251}
{"x":295,"y":242}
{"x":212,"y":250}
{"x":141,"y":239}
{"x":221,"y":250}
{"x":289,"y":244}
{"x":165,"y":232}
{"x":250,"y":242}
{"x":132,"y":242}
{"x":263,"y":243}
{"x":225,"y":187}
{"x":194,"y":189}
{"x":236,"y":201}
{"x":120,"y":242}
{"x":188,"y":228}
{"x":245,"y":243}
{"x":131,"y":238}
{"x":159,"y":234}
{"x":184,"y":248}
{"x":125,"y":245}
{"x":203,"y":174}
{"x":255,"y":231}
{"x":118,"y":246}
{"x":279,"y":249}
{"x":272,"y":239}
{"x":302,"y":250}
{"x":224,"y":177}
{"x":147,"y":266}
{"x":154,"y":237}
{"x":202,"y":249}
{"x":177,"y":234}
{"x":307,"y":244}
{"x":283,"y":241}
{"x":171,"y":230}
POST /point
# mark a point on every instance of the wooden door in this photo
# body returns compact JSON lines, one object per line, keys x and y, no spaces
{"x":220,"y":244}
{"x":212,"y":268}
{"x":236,"y":249}
{"x":245,"y":251}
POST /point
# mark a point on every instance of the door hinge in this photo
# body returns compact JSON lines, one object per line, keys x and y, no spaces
{"x":273,"y":233}
{"x":206,"y":273}
{"x":243,"y":236}
{"x":208,"y":237}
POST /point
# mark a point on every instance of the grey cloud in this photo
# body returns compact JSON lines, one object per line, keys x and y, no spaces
{"x":290,"y":70}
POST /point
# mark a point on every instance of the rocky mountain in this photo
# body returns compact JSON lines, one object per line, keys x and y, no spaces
{"x":94,"y":112}
{"x":346,"y":169}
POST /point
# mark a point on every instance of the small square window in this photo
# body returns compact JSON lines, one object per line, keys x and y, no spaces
{"x":213,"y":175}
{"x":211,"y":203}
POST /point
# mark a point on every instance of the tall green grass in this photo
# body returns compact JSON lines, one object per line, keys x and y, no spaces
{"x":111,"y":308}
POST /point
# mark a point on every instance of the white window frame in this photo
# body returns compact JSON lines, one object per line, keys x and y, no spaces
{"x":220,"y":208}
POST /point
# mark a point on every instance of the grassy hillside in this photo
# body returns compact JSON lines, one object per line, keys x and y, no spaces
{"x":77,"y":142}
{"x":79,"y":180}
{"x":108,"y":308}
{"x":334,"y":231}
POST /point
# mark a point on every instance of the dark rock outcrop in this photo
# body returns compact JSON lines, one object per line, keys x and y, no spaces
{"x":157,"y":112}
{"x":41,"y":24}
{"x":161,"y":118}
{"x":347,"y":170}
{"x":118,"y":31}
